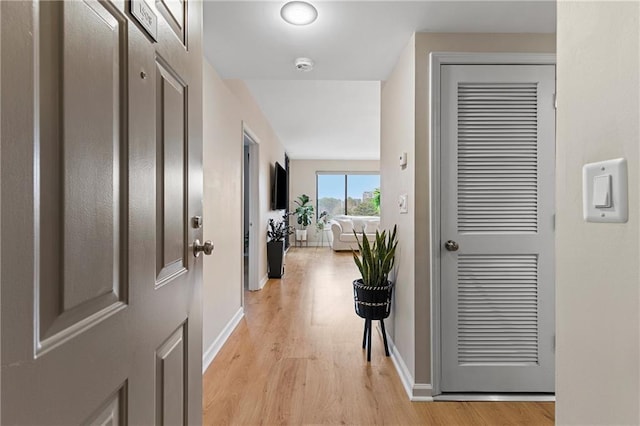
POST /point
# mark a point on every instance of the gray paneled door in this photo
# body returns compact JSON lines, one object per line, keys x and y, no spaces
{"x":101,"y":175}
{"x":497,"y":207}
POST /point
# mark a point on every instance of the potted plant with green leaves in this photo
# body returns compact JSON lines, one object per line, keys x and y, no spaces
{"x":372,"y":293}
{"x":277,"y":233}
{"x":323,"y":220}
{"x":322,"y":224}
{"x":304,"y":212}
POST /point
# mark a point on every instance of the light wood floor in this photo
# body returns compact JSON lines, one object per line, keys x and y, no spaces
{"x":296,"y":358}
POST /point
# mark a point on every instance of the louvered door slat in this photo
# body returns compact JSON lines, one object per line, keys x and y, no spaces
{"x":481,"y":307}
{"x":483,"y":162}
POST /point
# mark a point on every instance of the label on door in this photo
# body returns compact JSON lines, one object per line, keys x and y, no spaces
{"x":145,"y":16}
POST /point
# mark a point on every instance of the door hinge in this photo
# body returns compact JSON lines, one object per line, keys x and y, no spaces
{"x":554,"y":222}
{"x":555,"y":101}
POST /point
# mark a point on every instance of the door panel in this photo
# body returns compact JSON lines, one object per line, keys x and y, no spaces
{"x":171,"y":183}
{"x":113,"y":412}
{"x":84,"y":194}
{"x":170,"y":379}
{"x":498,"y":144}
{"x":497,"y":285}
{"x":89,"y":122}
{"x":93,"y":140}
{"x":173,"y":12}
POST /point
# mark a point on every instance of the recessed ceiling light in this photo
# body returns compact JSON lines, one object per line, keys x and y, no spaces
{"x":299,"y":13}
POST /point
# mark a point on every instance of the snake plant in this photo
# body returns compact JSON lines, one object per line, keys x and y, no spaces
{"x":376,"y":260}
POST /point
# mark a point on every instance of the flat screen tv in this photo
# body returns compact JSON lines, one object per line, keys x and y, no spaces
{"x":279,"y":190}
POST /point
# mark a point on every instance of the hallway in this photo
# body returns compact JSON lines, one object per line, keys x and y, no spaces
{"x":296,"y":359}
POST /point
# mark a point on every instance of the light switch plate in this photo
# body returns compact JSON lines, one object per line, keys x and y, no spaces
{"x":402,"y":203}
{"x":403,"y":159}
{"x":596,"y":177}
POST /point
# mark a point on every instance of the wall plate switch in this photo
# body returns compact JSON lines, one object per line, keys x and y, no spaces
{"x":403,"y":159}
{"x":402,"y":203}
{"x":602,"y":191}
{"x":605,"y":192}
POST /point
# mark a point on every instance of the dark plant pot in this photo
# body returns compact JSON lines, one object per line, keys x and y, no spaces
{"x":275,"y":256}
{"x":372,"y":303}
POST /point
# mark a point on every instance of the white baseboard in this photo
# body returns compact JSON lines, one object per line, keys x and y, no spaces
{"x":422,"y":392}
{"x":263,"y":281}
{"x":217,"y":344}
{"x":417,"y":392}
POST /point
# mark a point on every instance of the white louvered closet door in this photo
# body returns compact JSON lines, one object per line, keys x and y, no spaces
{"x":497,"y":201}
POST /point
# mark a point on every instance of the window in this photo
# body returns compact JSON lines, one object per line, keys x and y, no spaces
{"x":347,"y":193}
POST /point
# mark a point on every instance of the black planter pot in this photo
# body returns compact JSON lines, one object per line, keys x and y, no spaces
{"x":372,"y":303}
{"x":275,"y":256}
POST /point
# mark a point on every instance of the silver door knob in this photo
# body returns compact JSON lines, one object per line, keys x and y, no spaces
{"x":451,"y":245}
{"x":206,"y":248}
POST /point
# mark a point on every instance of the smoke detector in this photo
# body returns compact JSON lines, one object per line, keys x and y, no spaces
{"x":304,"y":64}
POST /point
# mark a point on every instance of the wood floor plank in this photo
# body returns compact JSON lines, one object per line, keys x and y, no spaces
{"x":296,"y":358}
{"x":284,"y":393}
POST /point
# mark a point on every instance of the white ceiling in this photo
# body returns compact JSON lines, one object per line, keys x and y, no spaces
{"x":323,"y":119}
{"x":352,"y":43}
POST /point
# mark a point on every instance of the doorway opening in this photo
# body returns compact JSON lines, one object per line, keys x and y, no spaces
{"x":250,"y":197}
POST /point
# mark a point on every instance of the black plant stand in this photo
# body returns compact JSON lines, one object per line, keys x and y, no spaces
{"x":366,"y":338}
{"x":372,"y":303}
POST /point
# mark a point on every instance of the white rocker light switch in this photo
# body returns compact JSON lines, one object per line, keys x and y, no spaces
{"x":602,"y":191}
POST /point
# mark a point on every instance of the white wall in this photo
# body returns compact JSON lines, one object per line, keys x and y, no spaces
{"x":226,"y":106}
{"x":412,"y":321}
{"x":598,"y":290}
{"x":271,"y":150}
{"x":302,"y":180}
{"x":222,"y":210}
{"x":397,"y":134}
